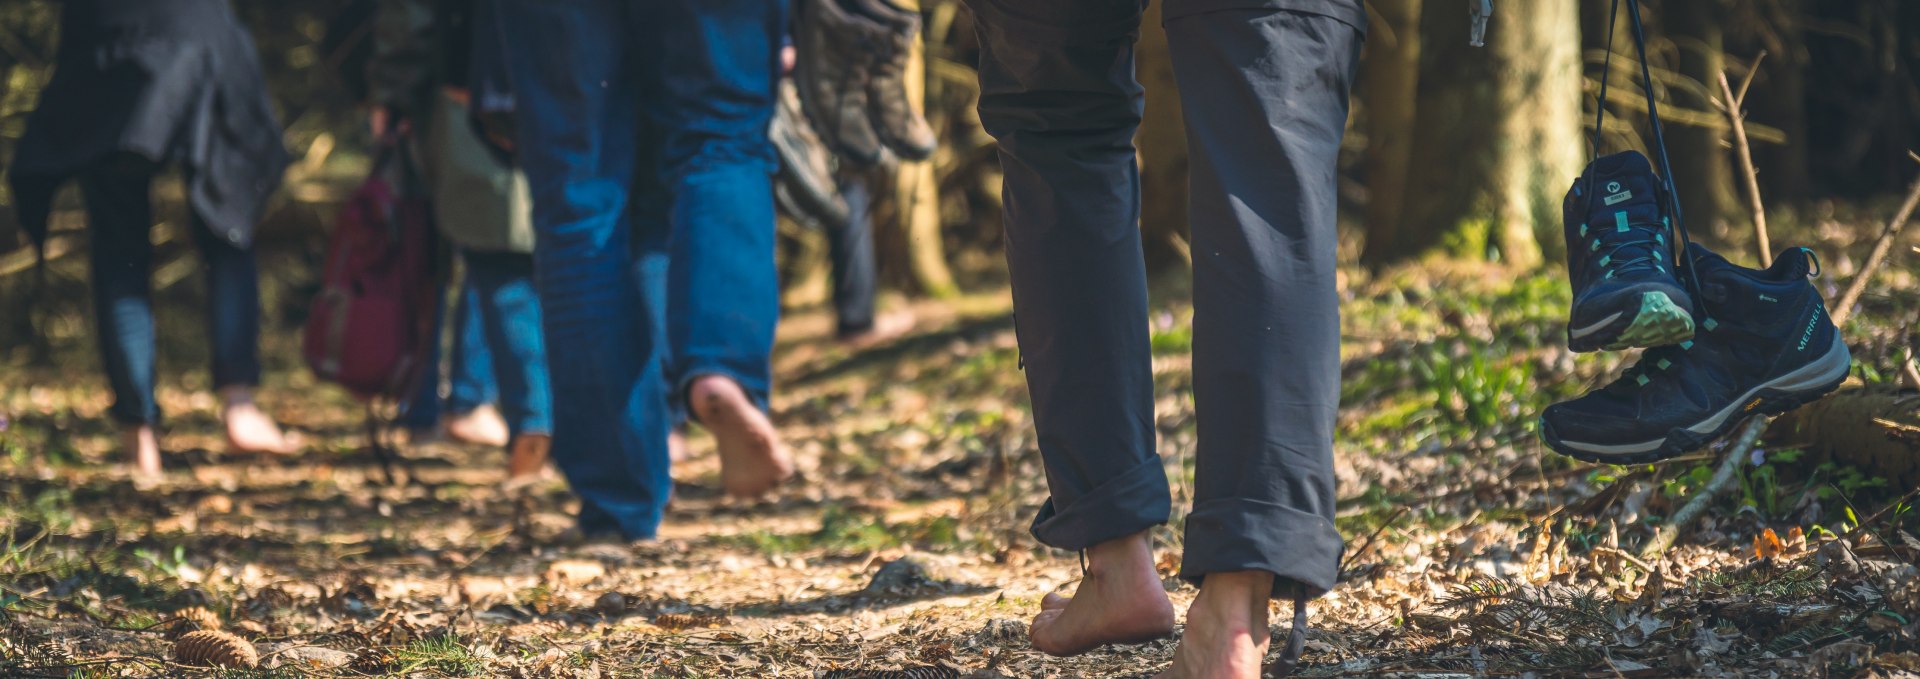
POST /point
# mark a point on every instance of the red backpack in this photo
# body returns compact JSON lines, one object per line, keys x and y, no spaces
{"x":369,"y":328}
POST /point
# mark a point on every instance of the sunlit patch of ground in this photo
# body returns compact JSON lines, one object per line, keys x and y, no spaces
{"x":1472,"y":550}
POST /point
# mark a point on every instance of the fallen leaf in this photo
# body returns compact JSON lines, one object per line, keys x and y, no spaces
{"x":1767,"y":545}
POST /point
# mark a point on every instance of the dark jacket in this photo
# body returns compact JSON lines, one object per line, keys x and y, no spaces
{"x":176,"y":81}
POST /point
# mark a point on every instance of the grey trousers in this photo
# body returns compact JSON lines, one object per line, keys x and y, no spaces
{"x":1264,"y":87}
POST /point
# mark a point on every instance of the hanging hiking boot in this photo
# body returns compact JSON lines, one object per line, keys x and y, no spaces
{"x":1620,"y":261}
{"x":804,"y":187}
{"x":1766,"y":346}
{"x":894,"y":119}
{"x":834,"y":53}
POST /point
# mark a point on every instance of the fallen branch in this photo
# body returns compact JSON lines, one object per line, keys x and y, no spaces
{"x":1737,"y":119}
{"x":1664,"y":537}
{"x":1879,"y":254}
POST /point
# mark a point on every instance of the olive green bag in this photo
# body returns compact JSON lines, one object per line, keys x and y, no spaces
{"x":480,"y":201}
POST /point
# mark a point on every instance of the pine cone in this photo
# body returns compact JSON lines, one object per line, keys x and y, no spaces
{"x":191,"y":619}
{"x":372,"y":660}
{"x":934,"y":653}
{"x":684,"y":621}
{"x":212,"y":648}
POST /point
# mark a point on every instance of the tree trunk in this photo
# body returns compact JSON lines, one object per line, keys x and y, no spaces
{"x":1779,"y":99}
{"x":917,"y":193}
{"x":1389,"y":91}
{"x":1540,"y":150}
{"x":1702,"y":166}
{"x":1162,"y":144}
{"x":1496,"y":140}
{"x":1875,"y":429}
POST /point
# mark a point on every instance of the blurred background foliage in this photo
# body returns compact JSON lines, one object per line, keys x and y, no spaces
{"x":1453,"y":152}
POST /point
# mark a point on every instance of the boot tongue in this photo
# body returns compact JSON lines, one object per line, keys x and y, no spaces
{"x":1623,"y":162}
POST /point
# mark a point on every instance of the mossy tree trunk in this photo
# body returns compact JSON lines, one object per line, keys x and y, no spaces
{"x":1496,"y":137}
{"x":1389,"y":86}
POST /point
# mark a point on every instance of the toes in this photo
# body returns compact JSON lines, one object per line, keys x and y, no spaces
{"x":1054,"y":601}
{"x":1041,"y":634}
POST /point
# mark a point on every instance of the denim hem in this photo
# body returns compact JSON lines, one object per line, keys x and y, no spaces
{"x":682,"y":396}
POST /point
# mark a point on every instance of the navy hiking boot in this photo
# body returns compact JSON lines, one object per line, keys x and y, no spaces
{"x":1766,"y":346}
{"x":1620,"y":259}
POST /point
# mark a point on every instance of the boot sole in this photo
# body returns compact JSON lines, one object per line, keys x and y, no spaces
{"x":1657,"y":322}
{"x":1804,"y":385}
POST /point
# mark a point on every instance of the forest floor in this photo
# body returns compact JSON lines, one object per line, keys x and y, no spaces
{"x":1472,"y":551}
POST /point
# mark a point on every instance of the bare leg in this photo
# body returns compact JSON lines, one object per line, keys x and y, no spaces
{"x":1226,"y":635}
{"x":249,"y":429}
{"x":752,"y":459}
{"x":1120,"y":601}
{"x":677,"y":444}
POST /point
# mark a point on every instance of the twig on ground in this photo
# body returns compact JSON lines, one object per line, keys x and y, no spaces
{"x":1879,"y":254}
{"x":1722,"y":480}
{"x":1622,"y":555}
{"x":1737,"y":119}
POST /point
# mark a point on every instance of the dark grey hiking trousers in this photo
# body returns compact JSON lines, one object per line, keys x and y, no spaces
{"x":1263,"y":85}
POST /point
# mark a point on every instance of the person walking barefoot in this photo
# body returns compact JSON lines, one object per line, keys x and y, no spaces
{"x":1264,"y":85}
{"x":141,"y":85}
{"x":642,"y":129}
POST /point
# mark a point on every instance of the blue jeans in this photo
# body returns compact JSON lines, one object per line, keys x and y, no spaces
{"x":468,"y":378}
{"x":499,"y":355}
{"x":850,"y":249}
{"x":119,"y":219}
{"x":642,"y":128}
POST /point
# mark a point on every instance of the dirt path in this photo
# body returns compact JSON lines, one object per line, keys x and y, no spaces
{"x":904,"y":544}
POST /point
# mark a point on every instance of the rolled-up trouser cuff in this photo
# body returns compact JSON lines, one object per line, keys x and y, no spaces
{"x":1244,"y":535}
{"x":681,"y":404}
{"x":1124,"y":505}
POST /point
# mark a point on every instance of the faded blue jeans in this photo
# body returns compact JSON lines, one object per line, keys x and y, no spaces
{"x":642,"y":128}
{"x":498,"y":353}
{"x":120,"y":223}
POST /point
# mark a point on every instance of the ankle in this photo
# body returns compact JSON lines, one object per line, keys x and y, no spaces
{"x":237,"y":396}
{"x":1235,"y":599}
{"x":1121,"y":557}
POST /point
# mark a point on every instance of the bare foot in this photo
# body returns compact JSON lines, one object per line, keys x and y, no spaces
{"x":142,"y":446}
{"x":249,"y":430}
{"x":677,"y":445}
{"x":1226,"y":635}
{"x":527,"y":460}
{"x":752,"y":459}
{"x":886,"y":327}
{"x":481,"y":426}
{"x":1120,"y":601}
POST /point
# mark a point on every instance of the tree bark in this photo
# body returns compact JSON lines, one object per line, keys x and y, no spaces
{"x":1703,"y":172}
{"x":1389,"y":83}
{"x":1162,"y":145}
{"x":1496,"y":140}
{"x":1541,"y":152}
{"x":917,"y":193}
{"x":1779,"y":99}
